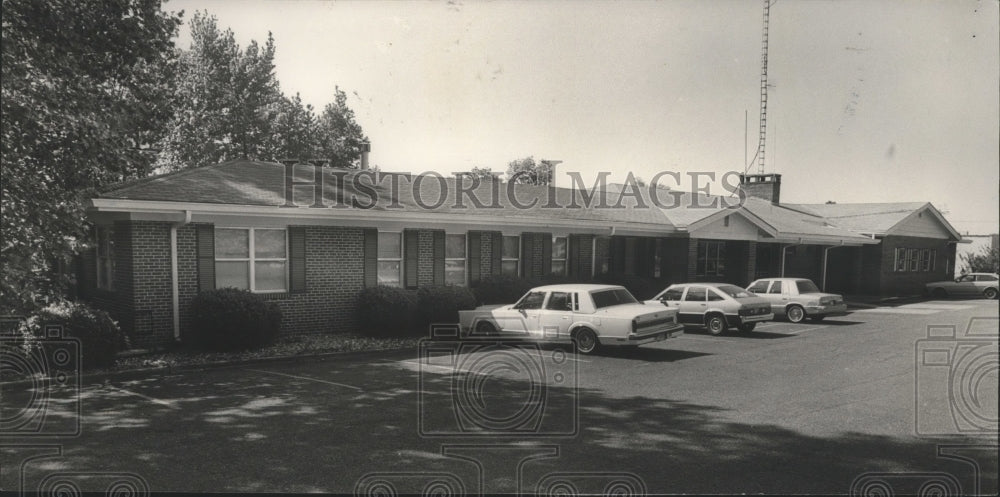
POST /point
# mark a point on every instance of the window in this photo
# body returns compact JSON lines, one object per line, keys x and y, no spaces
{"x":532,"y":300}
{"x":672,"y":294}
{"x":925,"y":260}
{"x":695,"y":294}
{"x":986,"y":277}
{"x":105,"y":258}
{"x":759,"y":287}
{"x":933,"y":259}
{"x":559,"y":255}
{"x":806,"y":286}
{"x":511,"y":257}
{"x":714,"y":296}
{"x":454,"y":259}
{"x":775,"y":288}
{"x":711,"y":258}
{"x":608,"y":298}
{"x":734,"y":291}
{"x":901,"y":262}
{"x":390,"y":258}
{"x":254,"y":259}
{"x":911,"y":256}
{"x":559,"y":301}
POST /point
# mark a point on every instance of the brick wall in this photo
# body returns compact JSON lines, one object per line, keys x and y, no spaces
{"x":486,"y":253}
{"x":425,"y":258}
{"x":911,"y":282}
{"x":152,"y":304}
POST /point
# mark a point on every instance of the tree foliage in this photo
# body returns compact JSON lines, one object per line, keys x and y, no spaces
{"x":987,"y":260}
{"x":229,"y":105}
{"x":528,"y":171}
{"x":83,"y":97}
{"x":226,"y":99}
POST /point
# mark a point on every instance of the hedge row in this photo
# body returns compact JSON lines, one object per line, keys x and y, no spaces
{"x":392,"y":311}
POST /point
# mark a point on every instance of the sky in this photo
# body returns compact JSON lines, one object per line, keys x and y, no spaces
{"x":868,"y":100}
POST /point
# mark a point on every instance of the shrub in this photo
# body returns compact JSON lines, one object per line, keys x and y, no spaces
{"x":503,"y":289}
{"x":230,"y":319}
{"x":100,"y":337}
{"x":440,"y":304}
{"x":387,"y":311}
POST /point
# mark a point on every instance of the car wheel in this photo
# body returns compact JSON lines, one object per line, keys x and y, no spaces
{"x":939,"y":293}
{"x":990,"y":293}
{"x":817,"y":319}
{"x":586,"y":341}
{"x":485,"y":328}
{"x":715,"y":324}
{"x":795,"y":313}
{"x":747,"y":327}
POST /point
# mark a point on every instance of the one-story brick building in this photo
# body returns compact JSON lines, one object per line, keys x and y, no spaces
{"x":312,"y":241}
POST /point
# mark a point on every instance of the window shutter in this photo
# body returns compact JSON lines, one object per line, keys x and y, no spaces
{"x":546,"y":253}
{"x":370,"y":256}
{"x":497,"y":253}
{"x":297,"y":258}
{"x":205,"y":234}
{"x":475,"y":256}
{"x":439,"y":258}
{"x":527,"y":255}
{"x":411,"y":247}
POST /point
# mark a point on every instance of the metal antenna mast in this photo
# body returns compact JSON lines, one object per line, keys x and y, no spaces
{"x":763,"y":91}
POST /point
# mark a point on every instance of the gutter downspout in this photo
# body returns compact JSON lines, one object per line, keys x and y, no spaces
{"x":174,"y":284}
{"x":783,"y":253}
{"x":826,"y":250}
{"x":593,"y":256}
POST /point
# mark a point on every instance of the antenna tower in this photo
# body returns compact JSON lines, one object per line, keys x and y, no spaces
{"x":763,"y":91}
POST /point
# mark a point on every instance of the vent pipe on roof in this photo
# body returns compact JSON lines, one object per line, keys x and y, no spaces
{"x":365,"y":148}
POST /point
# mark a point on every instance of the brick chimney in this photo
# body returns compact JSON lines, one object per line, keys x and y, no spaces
{"x":365,"y":148}
{"x":765,"y":186}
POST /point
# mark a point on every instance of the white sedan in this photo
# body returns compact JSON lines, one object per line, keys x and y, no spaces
{"x":966,"y":285}
{"x":589,"y":316}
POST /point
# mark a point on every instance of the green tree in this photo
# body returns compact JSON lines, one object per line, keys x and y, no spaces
{"x":340,"y":136}
{"x":295,"y":131}
{"x":82,"y":98}
{"x":987,"y":260}
{"x":226,"y":100}
{"x":528,"y":171}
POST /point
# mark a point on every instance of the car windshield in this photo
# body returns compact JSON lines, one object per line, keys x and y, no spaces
{"x":734,"y":291}
{"x":806,"y":286}
{"x":614,"y":296}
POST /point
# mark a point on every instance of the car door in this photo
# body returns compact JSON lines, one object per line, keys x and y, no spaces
{"x":555,"y":318}
{"x":778,"y":297}
{"x":760,"y":289}
{"x":671,"y":297}
{"x":964,"y":285}
{"x":693,"y":305}
{"x":526,"y":314}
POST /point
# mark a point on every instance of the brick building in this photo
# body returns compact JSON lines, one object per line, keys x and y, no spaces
{"x":311,"y":238}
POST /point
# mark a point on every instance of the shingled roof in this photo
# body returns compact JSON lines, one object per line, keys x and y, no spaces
{"x":255,"y":183}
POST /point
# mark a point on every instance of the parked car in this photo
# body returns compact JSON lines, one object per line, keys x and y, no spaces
{"x":968,"y":285}
{"x":716,"y":306}
{"x":798,"y":298}
{"x":589,"y":316}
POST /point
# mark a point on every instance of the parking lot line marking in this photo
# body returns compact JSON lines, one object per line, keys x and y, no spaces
{"x":317,"y":380}
{"x":943,"y":307}
{"x":704,"y":339}
{"x":894,"y":310}
{"x":165,"y":403}
{"x":765,"y":325}
{"x":796,"y":332}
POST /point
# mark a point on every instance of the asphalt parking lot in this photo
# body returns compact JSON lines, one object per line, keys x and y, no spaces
{"x":790,"y":408}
